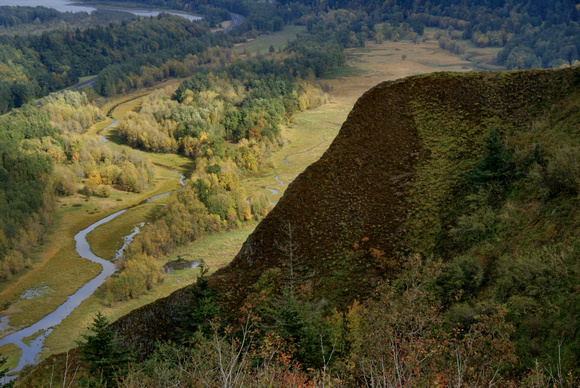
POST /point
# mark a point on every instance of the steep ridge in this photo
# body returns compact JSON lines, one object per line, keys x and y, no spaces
{"x":366,"y":185}
{"x":390,"y":179}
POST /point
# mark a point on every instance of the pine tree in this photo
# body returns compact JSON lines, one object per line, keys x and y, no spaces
{"x":205,"y":305}
{"x":496,"y":165}
{"x":102,"y":352}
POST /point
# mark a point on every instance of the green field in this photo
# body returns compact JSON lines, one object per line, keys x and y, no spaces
{"x":262,"y":44}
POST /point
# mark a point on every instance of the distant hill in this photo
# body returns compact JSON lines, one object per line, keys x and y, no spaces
{"x":478,"y":170}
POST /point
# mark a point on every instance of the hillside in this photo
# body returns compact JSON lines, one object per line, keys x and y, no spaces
{"x":476,"y":176}
{"x":396,"y":169}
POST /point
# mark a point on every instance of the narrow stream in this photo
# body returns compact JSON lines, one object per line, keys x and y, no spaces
{"x":274,"y":191}
{"x":45,"y":325}
{"x":114,"y":123}
{"x":277,"y":177}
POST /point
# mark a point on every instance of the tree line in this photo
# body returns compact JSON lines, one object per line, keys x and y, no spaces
{"x":21,"y":20}
{"x":532,"y":34}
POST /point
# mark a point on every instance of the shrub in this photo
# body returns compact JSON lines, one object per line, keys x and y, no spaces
{"x":560,"y":176}
{"x":103,"y":191}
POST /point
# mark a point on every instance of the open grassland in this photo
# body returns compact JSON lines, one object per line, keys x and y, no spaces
{"x":375,"y":63}
{"x":13,"y":353}
{"x":307,"y":139}
{"x":216,"y":251}
{"x":57,"y":265}
{"x":262,"y":44}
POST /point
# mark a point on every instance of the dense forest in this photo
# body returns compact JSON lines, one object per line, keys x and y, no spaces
{"x":38,"y":64}
{"x":29,"y":20}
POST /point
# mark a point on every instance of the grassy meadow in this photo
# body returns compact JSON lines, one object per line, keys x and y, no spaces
{"x":261,"y":45}
{"x":59,"y":271}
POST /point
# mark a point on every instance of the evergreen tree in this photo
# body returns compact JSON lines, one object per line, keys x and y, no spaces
{"x":205,"y":305}
{"x":496,"y":165}
{"x":102,"y":352}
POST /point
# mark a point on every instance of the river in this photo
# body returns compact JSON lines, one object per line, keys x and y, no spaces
{"x":68,"y":6}
{"x":42,"y":328}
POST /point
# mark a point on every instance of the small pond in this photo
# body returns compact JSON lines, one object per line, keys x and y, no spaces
{"x":179,"y":264}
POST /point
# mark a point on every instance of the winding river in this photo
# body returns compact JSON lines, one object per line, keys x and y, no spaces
{"x":42,"y":328}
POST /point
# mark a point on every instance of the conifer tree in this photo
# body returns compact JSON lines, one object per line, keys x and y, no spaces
{"x":102,"y":352}
{"x":496,"y":165}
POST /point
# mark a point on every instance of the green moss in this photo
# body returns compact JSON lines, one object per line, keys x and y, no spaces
{"x":453,"y":113}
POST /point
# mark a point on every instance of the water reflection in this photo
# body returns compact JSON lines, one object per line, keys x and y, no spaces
{"x":67,"y":6}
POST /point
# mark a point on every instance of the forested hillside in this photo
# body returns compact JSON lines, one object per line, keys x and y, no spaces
{"x":532,"y":34}
{"x":35,"y":65}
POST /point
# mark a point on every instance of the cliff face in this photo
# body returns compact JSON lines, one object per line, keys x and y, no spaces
{"x":391,"y":176}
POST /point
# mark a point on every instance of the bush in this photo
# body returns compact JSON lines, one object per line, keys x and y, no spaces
{"x":560,"y":176}
{"x":461,"y":279}
{"x":103,"y":191}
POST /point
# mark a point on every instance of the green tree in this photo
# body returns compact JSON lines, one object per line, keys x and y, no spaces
{"x":205,"y":307}
{"x":494,"y":172}
{"x":496,"y":165}
{"x":102,"y":352}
